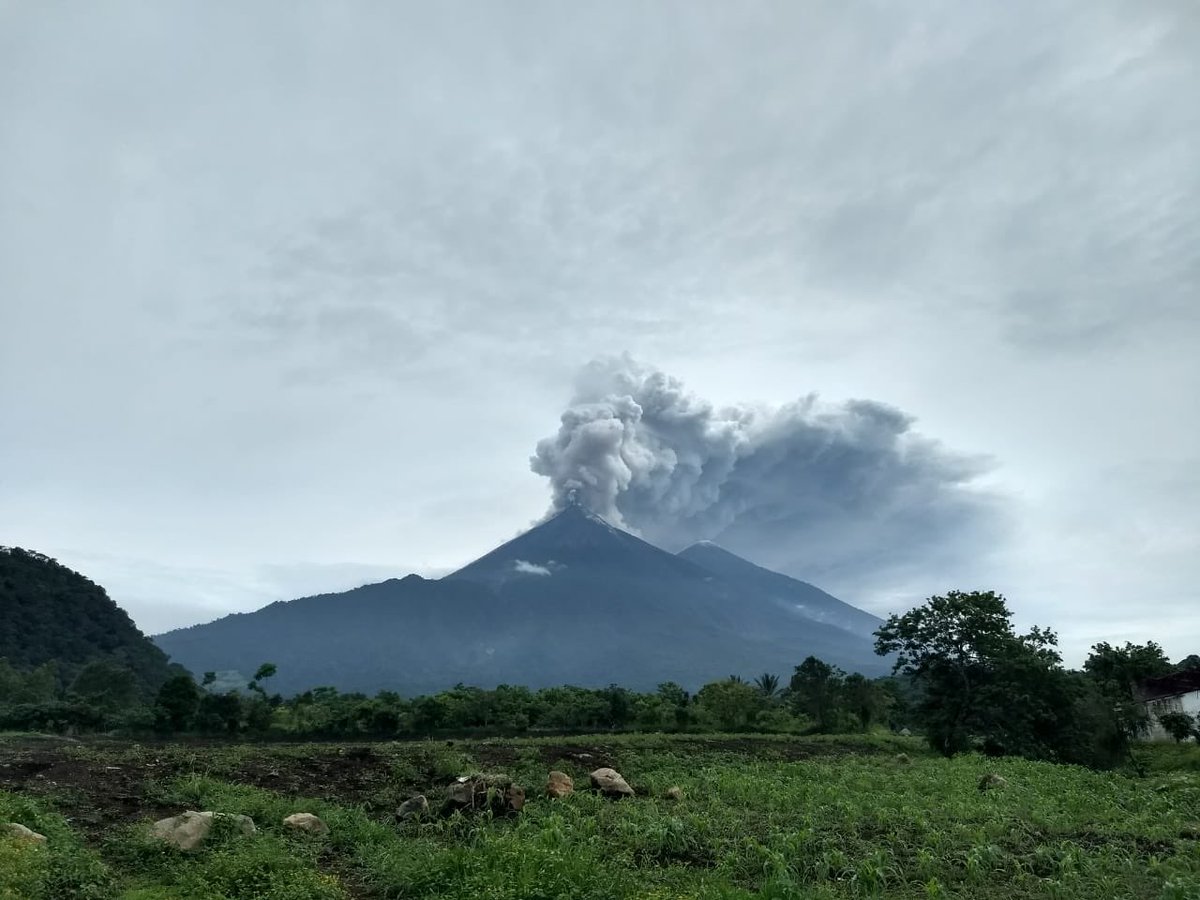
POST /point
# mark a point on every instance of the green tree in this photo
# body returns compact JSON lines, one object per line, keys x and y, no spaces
{"x":220,"y":712}
{"x":962,"y":650}
{"x":1122,"y":669}
{"x":177,"y":702}
{"x":1117,"y":673}
{"x":427,"y":714}
{"x":263,"y":673}
{"x":36,"y":686}
{"x":865,"y":699}
{"x":676,"y":699}
{"x":1178,"y":725}
{"x":620,"y":706}
{"x":767,"y":684}
{"x":815,"y":691}
{"x":106,"y":685}
{"x":731,"y":703}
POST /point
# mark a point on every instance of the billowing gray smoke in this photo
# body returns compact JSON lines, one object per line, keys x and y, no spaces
{"x":844,"y":495}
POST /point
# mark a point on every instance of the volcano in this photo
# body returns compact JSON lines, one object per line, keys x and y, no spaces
{"x":573,"y":600}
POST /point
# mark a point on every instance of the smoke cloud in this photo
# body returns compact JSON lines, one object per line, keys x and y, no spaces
{"x":846,"y":495}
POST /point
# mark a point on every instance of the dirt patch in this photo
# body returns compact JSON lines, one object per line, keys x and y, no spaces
{"x":491,"y":757}
{"x":93,"y":794}
{"x":348,"y":775}
{"x":102,"y":785}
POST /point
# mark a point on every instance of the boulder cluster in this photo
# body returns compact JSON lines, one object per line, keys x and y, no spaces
{"x":497,"y":794}
{"x":189,"y":830}
{"x":501,"y":796}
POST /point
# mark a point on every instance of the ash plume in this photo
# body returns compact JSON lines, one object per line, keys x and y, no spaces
{"x":847,"y":493}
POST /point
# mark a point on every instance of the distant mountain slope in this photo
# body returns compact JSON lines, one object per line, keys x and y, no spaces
{"x":573,"y":600}
{"x":800,"y":597}
{"x":48,"y":612}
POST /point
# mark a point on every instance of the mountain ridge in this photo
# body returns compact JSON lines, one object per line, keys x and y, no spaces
{"x":571,"y":600}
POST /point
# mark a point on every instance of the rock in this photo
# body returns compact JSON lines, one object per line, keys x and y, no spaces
{"x":461,"y":794}
{"x":903,"y":759}
{"x":559,"y":784}
{"x":188,"y":830}
{"x":413,"y":808}
{"x":674,"y":793}
{"x":484,"y":792}
{"x":306,"y":822}
{"x":610,"y":783}
{"x":26,"y":835}
{"x":992,"y":780}
{"x":904,"y":732}
{"x":515,"y":798}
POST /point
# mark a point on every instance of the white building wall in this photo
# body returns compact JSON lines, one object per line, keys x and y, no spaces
{"x":1191,"y":703}
{"x":1186,"y":703}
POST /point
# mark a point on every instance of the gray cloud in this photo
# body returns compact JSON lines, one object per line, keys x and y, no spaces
{"x":842,"y":494}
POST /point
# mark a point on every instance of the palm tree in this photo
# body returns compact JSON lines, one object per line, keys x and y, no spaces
{"x":768,"y":684}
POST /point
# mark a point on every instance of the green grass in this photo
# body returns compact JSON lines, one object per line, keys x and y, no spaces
{"x":753,"y":824}
{"x":60,"y":869}
{"x":1166,"y":757}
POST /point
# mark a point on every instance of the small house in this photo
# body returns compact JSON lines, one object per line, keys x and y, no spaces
{"x":1177,"y":692}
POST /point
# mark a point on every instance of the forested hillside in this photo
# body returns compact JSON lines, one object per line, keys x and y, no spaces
{"x":51,"y":614}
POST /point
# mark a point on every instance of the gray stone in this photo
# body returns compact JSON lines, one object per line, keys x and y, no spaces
{"x":189,"y":830}
{"x":413,"y":808}
{"x":306,"y":822}
{"x":991,"y":781}
{"x":21,"y":833}
{"x":610,"y":783}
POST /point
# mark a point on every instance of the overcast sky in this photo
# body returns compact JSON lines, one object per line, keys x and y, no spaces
{"x":290,"y":292}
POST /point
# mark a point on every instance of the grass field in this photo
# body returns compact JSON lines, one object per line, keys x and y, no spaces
{"x":761,"y":817}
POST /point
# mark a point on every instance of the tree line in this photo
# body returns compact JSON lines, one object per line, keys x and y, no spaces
{"x":818,"y":697}
{"x":963,"y":677}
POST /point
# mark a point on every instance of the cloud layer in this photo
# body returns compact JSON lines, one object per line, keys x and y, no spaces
{"x":286,"y":285}
{"x":846,"y":493}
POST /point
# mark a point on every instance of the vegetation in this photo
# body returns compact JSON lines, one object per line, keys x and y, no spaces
{"x":849,"y":809}
{"x":58,"y":620}
{"x":822,"y":817}
{"x":986,"y":687}
{"x":959,"y":666}
{"x":1179,"y":725}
